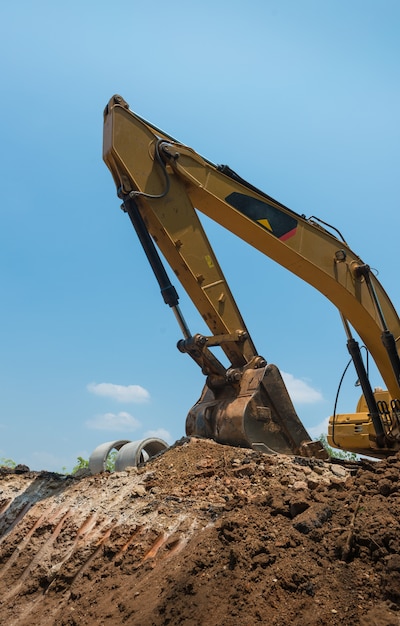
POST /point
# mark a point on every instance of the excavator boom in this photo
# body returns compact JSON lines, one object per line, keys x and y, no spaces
{"x":162,"y":183}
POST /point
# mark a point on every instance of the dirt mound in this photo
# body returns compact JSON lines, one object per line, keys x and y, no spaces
{"x":204,"y":534}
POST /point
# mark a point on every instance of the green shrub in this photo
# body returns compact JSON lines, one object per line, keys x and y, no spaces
{"x":337,"y":454}
{"x":7,"y":463}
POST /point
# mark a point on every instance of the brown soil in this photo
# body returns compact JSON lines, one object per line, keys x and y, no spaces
{"x":204,"y":534}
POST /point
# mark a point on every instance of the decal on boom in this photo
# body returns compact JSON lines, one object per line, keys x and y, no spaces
{"x":278,"y":223}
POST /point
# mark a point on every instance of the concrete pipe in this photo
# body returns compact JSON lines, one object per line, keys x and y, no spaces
{"x":136,"y":452}
{"x":98,"y":458}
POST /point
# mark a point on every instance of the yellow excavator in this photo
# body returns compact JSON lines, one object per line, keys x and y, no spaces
{"x":162,"y":184}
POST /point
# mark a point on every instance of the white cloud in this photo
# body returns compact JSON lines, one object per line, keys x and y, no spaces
{"x":300,"y":391}
{"x":319,"y":429}
{"x":118,"y":422}
{"x":121,"y":393}
{"x":160,"y":433}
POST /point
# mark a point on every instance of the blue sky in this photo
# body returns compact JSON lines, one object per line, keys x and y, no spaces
{"x":300,"y":98}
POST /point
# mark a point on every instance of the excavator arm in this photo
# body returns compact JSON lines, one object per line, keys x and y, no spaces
{"x":162,"y":183}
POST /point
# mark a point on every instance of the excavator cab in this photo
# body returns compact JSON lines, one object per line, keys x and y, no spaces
{"x":356,"y":432}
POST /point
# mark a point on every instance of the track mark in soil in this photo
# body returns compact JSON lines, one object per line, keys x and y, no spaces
{"x":5,"y":505}
{"x":24,"y":510}
{"x":131,"y":539}
{"x":90,"y":559}
{"x":37,"y":559}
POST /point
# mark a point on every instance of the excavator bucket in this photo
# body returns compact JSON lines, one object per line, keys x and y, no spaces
{"x":256,"y":413}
